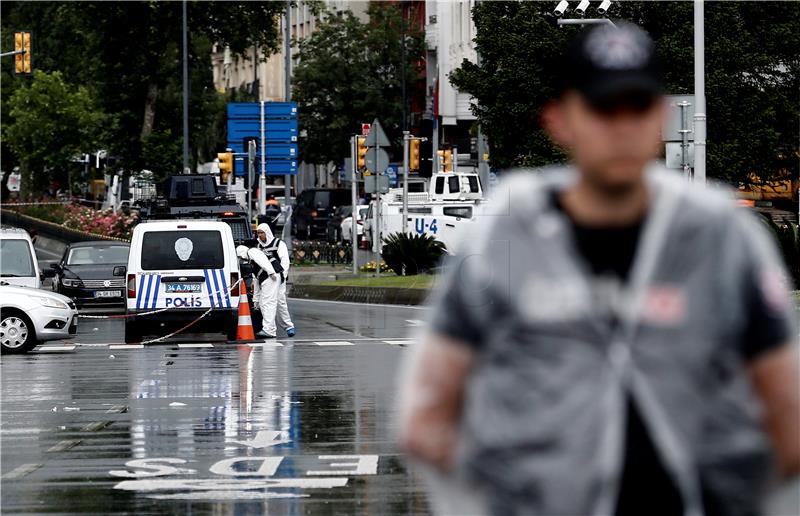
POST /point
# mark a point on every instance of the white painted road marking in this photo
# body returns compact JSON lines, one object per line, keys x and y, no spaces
{"x":21,"y":471}
{"x":264,"y":439}
{"x":126,"y":346}
{"x":267,"y":344}
{"x":55,"y":348}
{"x":66,"y":444}
{"x":234,"y":484}
{"x":196,"y":345}
{"x":399,"y":342}
{"x":333,"y":343}
{"x":415,"y":322}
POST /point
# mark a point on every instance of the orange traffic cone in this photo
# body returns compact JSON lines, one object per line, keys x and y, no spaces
{"x":244,"y":330}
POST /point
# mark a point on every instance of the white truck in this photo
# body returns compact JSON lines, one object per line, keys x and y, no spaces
{"x":445,"y":209}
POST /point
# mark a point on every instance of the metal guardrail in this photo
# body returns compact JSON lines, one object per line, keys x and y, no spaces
{"x":312,"y":252}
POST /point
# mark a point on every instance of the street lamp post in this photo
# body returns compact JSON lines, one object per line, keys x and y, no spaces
{"x":185,"y":93}
{"x":699,"y":93}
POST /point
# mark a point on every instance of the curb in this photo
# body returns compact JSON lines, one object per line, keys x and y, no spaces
{"x":51,"y":229}
{"x":368,"y":295}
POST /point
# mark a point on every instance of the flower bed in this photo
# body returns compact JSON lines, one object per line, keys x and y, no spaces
{"x":82,"y":218}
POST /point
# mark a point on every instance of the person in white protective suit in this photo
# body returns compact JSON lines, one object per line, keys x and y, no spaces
{"x":270,"y":260}
{"x":278,"y":254}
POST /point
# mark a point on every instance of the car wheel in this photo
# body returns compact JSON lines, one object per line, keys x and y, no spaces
{"x":133,"y":333}
{"x":17,"y":334}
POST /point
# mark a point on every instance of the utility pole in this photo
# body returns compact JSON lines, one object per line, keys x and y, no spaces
{"x":287,"y":72}
{"x":406,"y":140}
{"x":185,"y":93}
{"x":354,"y":199}
{"x":699,"y":93}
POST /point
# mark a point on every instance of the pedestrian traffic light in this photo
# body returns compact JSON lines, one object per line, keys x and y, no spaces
{"x":225,"y":166}
{"x":22,"y":44}
{"x":447,"y":160}
{"x":362,"y":152}
{"x":413,"y":158}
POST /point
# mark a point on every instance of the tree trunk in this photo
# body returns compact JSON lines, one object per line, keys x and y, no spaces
{"x":149,"y":110}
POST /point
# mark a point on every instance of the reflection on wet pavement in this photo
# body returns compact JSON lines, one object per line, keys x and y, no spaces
{"x":292,"y":429}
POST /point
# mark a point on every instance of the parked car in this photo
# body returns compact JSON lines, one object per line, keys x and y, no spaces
{"x":29,"y":316}
{"x":85,"y":272}
{"x":314,"y":208}
{"x":18,"y":264}
{"x":347,"y":225}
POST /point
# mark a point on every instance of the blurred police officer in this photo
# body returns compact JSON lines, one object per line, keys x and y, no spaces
{"x":613,"y":340}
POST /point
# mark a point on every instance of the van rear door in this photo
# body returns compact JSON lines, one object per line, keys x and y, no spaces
{"x":183,"y":269}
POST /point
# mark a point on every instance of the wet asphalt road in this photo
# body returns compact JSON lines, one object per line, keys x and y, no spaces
{"x":199,"y":426}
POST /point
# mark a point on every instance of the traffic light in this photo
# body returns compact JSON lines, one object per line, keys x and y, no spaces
{"x":22,"y":61}
{"x":225,"y":166}
{"x":413,"y":158}
{"x":446,"y":157}
{"x":425,"y":158}
{"x":362,"y":152}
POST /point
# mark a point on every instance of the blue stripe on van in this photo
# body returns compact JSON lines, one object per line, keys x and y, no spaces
{"x":225,"y":288}
{"x":208,"y":288}
{"x":216,"y":286}
{"x":149,"y":284}
{"x":139,"y":291}
{"x":158,"y":286}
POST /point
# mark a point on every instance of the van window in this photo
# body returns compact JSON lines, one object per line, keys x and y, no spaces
{"x":439,"y":185}
{"x":452,"y":184}
{"x":420,"y":210}
{"x":162,"y":250}
{"x":329,"y":198}
{"x":15,"y":258}
{"x":473,"y":184}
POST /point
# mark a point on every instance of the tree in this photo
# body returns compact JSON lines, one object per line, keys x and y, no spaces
{"x":350,"y":72}
{"x":128,"y":54}
{"x":52,"y":122}
{"x":752,"y":78}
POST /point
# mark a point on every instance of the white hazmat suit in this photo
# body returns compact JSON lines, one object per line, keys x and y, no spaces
{"x":269,"y":294}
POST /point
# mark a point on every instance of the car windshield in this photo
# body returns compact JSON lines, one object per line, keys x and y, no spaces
{"x":100,"y":255}
{"x":175,"y":250}
{"x":15,"y":258}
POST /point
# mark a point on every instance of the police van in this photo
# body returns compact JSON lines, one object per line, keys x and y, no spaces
{"x":186,"y":267}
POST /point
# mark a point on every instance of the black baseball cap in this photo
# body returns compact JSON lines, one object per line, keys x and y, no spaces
{"x":612,"y":66}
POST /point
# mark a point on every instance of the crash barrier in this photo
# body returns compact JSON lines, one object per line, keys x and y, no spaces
{"x":313,"y":252}
{"x":176,"y":332}
{"x":51,"y":229}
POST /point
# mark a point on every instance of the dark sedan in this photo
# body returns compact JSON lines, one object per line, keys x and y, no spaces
{"x":86,"y":273}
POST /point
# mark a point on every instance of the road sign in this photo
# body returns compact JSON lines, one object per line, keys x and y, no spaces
{"x":377,"y":160}
{"x":377,"y":137}
{"x":279,"y":134}
{"x":673,"y":122}
{"x":391,"y":172}
{"x":374,"y":183}
{"x":364,"y":129}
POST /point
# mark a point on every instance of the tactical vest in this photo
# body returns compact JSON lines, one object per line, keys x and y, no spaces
{"x":271,"y":250}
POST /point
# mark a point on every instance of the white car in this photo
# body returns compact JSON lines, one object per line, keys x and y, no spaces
{"x":18,"y":264}
{"x":347,"y":224}
{"x":29,"y":316}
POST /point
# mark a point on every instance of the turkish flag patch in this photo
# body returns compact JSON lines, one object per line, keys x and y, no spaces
{"x":664,"y":305}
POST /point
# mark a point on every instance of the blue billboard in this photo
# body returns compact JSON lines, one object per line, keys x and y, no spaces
{"x":280,"y":131}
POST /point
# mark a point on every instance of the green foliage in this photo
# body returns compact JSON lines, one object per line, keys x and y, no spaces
{"x":51,"y":122}
{"x":350,"y":72}
{"x":408,"y":255}
{"x":128,"y":55}
{"x":752,"y":78}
